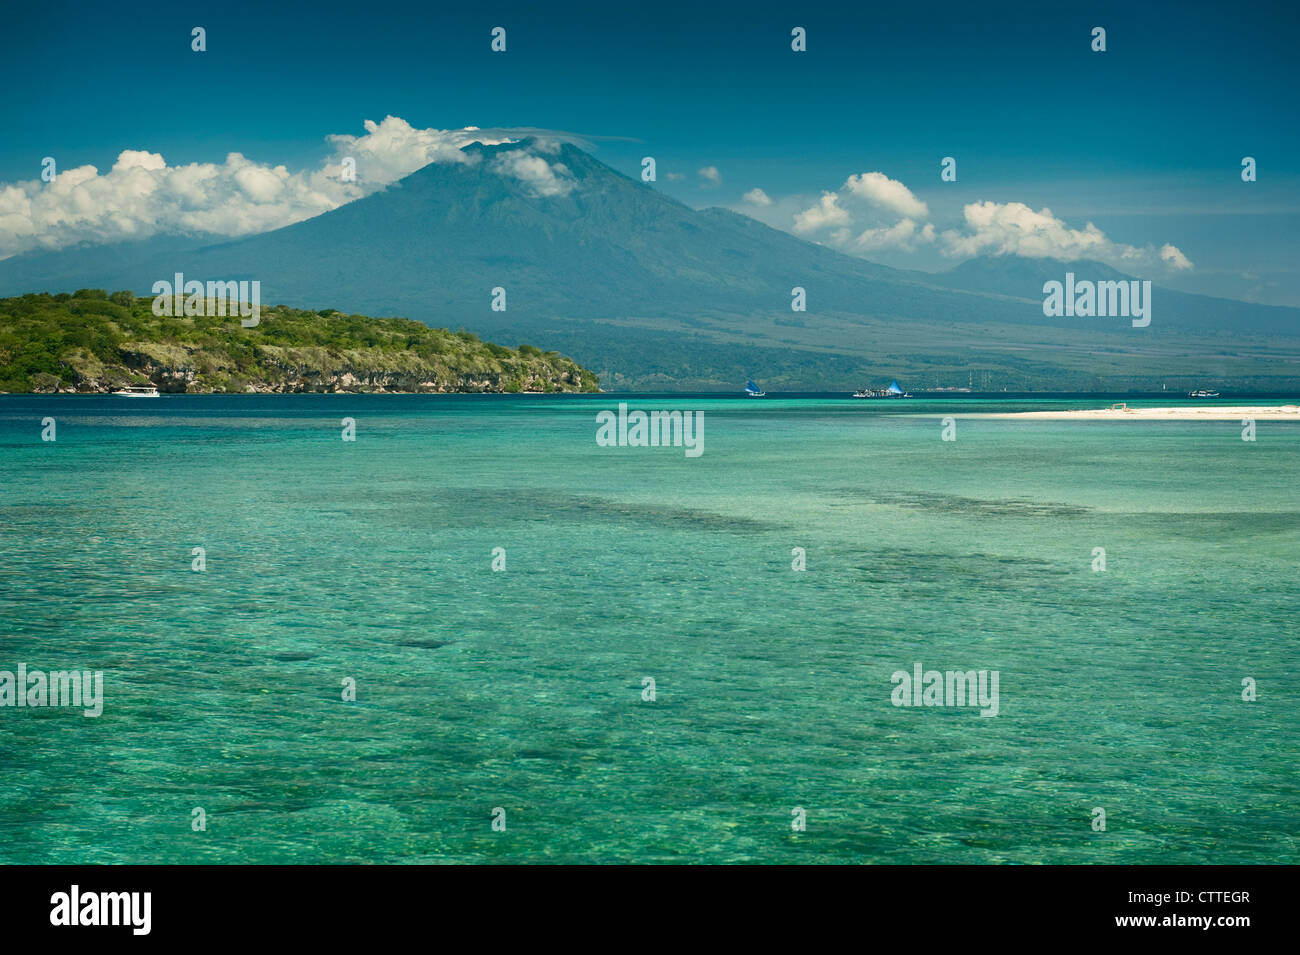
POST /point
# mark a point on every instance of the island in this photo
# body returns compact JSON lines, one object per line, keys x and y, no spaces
{"x":94,"y":342}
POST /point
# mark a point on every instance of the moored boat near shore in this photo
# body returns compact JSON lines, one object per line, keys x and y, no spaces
{"x":893,"y":391}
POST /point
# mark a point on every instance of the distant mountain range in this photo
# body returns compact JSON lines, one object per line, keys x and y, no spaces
{"x":650,"y":293}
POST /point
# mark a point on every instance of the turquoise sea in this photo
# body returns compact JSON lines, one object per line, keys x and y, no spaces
{"x":522,"y":689}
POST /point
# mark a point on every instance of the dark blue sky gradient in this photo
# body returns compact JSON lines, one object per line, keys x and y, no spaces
{"x":1145,"y":139}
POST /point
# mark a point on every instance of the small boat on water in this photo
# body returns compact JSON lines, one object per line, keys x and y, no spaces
{"x":1202,"y":394}
{"x":893,"y":391}
{"x":753,"y":391}
{"x":138,"y":391}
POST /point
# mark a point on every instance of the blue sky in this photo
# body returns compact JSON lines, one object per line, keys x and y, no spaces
{"x":1145,"y":141}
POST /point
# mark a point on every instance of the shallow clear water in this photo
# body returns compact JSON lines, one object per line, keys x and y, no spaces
{"x":522,"y":689}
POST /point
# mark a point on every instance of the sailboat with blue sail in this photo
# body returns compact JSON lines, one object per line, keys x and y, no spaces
{"x":753,"y":391}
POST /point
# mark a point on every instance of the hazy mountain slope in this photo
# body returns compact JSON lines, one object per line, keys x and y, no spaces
{"x":1017,"y":276}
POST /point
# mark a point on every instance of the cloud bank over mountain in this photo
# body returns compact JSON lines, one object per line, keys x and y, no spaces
{"x":142,"y":196}
{"x":871,"y":212}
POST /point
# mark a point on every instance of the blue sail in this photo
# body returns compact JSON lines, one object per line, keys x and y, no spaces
{"x":752,"y":387}
{"x":894,"y":389}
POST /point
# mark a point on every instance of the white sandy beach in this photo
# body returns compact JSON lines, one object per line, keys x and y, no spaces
{"x":1129,"y":413}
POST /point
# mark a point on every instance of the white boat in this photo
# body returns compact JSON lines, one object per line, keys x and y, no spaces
{"x":893,"y":391}
{"x":138,"y":391}
{"x":753,"y":390}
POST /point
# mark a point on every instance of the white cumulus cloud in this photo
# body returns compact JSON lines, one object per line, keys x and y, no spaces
{"x":711,"y":174}
{"x":826,"y":213}
{"x":887,"y":194}
{"x":757,"y":197}
{"x":1174,"y":258}
{"x":893,"y":216}
{"x":903,"y":235}
{"x":543,"y":178}
{"x":1013,"y":228}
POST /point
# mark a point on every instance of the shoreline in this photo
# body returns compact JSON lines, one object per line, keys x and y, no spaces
{"x":1220,"y":413}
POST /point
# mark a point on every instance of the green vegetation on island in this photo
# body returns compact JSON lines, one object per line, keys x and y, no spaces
{"x":91,"y":341}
